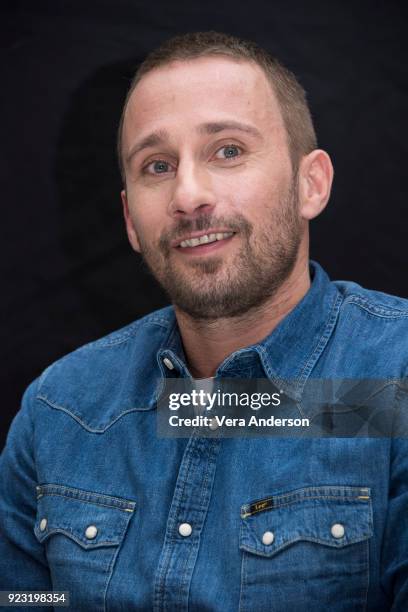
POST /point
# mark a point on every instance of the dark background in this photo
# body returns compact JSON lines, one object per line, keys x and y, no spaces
{"x":68,"y":274}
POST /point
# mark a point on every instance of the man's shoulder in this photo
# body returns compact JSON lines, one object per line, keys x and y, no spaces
{"x":109,"y":374}
{"x":371,"y":333}
{"x":376,"y":303}
{"x":132,"y":336}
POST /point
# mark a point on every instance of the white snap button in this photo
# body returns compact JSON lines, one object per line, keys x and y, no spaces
{"x":168,"y":363}
{"x":43,"y":524}
{"x":268,"y":538}
{"x":337,"y":530}
{"x":185,"y":529}
{"x":90,"y":532}
{"x":213,"y":424}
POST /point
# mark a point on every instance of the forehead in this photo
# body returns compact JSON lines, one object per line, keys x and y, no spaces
{"x":185,"y":93}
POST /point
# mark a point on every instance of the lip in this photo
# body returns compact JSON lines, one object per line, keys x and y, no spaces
{"x":178,"y":241}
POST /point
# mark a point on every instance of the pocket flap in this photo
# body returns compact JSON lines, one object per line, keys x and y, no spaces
{"x":91,"y":519}
{"x":334,"y":516}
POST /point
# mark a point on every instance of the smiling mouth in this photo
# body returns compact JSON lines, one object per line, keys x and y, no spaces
{"x":205,"y":239}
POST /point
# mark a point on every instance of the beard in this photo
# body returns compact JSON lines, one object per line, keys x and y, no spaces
{"x":211,"y":288}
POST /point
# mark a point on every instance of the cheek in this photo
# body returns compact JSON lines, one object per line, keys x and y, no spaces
{"x":147,"y":228}
{"x":146,"y":214}
{"x":253,"y":198}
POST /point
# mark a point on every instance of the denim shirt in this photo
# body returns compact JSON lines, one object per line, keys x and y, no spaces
{"x":93,"y":502}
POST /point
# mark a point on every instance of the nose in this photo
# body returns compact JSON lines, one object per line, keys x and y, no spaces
{"x":192,"y":192}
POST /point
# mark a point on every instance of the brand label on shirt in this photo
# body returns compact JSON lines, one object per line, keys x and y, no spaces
{"x":258,"y":506}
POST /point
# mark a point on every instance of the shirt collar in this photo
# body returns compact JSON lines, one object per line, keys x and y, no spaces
{"x":289,"y":353}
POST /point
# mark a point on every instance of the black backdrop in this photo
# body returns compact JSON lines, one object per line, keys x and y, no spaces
{"x":68,"y":274}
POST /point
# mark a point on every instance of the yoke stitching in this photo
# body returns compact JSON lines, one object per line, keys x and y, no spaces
{"x":88,"y":501}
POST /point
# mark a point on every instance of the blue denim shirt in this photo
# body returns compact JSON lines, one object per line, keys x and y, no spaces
{"x":94,"y":503}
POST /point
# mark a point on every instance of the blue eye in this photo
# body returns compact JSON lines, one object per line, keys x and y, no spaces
{"x":228,"y":152}
{"x":157,"y":166}
{"x":160,"y":166}
{"x":231,"y":151}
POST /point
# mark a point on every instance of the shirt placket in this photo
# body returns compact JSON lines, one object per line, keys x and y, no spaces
{"x":185,"y":522}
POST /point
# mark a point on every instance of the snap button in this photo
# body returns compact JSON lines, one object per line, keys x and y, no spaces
{"x":213,"y":424}
{"x":268,"y":538}
{"x":337,"y":530}
{"x":185,"y":529}
{"x":168,"y":363}
{"x":43,"y":524}
{"x":90,"y":532}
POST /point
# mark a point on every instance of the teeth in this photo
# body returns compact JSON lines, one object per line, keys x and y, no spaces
{"x":207,"y":238}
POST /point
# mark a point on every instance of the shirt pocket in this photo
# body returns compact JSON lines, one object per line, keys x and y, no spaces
{"x":306,"y":548}
{"x":82,"y":532}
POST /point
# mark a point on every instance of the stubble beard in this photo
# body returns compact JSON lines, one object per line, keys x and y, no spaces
{"x":210,"y":288}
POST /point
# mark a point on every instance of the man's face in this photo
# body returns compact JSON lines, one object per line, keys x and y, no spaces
{"x":210,"y":198}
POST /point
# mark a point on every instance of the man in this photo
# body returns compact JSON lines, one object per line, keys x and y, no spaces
{"x":221,"y":177}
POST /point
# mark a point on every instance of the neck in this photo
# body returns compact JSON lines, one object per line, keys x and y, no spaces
{"x":208,"y":342}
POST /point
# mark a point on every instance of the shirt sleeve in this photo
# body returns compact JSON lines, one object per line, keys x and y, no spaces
{"x":23,"y":564}
{"x":395,"y":542}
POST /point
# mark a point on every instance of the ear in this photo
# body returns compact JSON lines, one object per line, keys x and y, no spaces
{"x":133,"y":239}
{"x":315,"y":181}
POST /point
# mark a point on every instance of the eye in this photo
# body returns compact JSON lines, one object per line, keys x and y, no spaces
{"x":228,"y":152}
{"x":157,"y":166}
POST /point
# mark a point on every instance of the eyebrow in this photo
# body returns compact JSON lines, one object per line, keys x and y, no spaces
{"x":219,"y":126}
{"x":152,"y":140}
{"x":162,"y":136}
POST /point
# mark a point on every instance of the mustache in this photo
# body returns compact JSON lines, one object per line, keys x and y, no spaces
{"x":201,"y":224}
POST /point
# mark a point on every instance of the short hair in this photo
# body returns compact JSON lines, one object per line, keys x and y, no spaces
{"x":291,"y":97}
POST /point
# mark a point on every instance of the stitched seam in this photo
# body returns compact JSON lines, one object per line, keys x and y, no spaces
{"x":317,"y":351}
{"x":169,"y":341}
{"x":85,"y":501}
{"x":101,"y":343}
{"x":286,"y":504}
{"x":315,"y":354}
{"x":159,"y":585}
{"x":191,"y":558}
{"x":112,"y":565}
{"x":290,"y":503}
{"x":367,"y":570}
{"x":71,"y":535}
{"x":81,"y":491}
{"x":81,"y":422}
{"x":185,"y":583}
{"x":299,"y":496}
{"x":375,"y":310}
{"x":288,"y":543}
{"x":242,"y":353}
{"x":278,"y":381}
{"x":243,"y":582}
{"x":346,"y":490}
